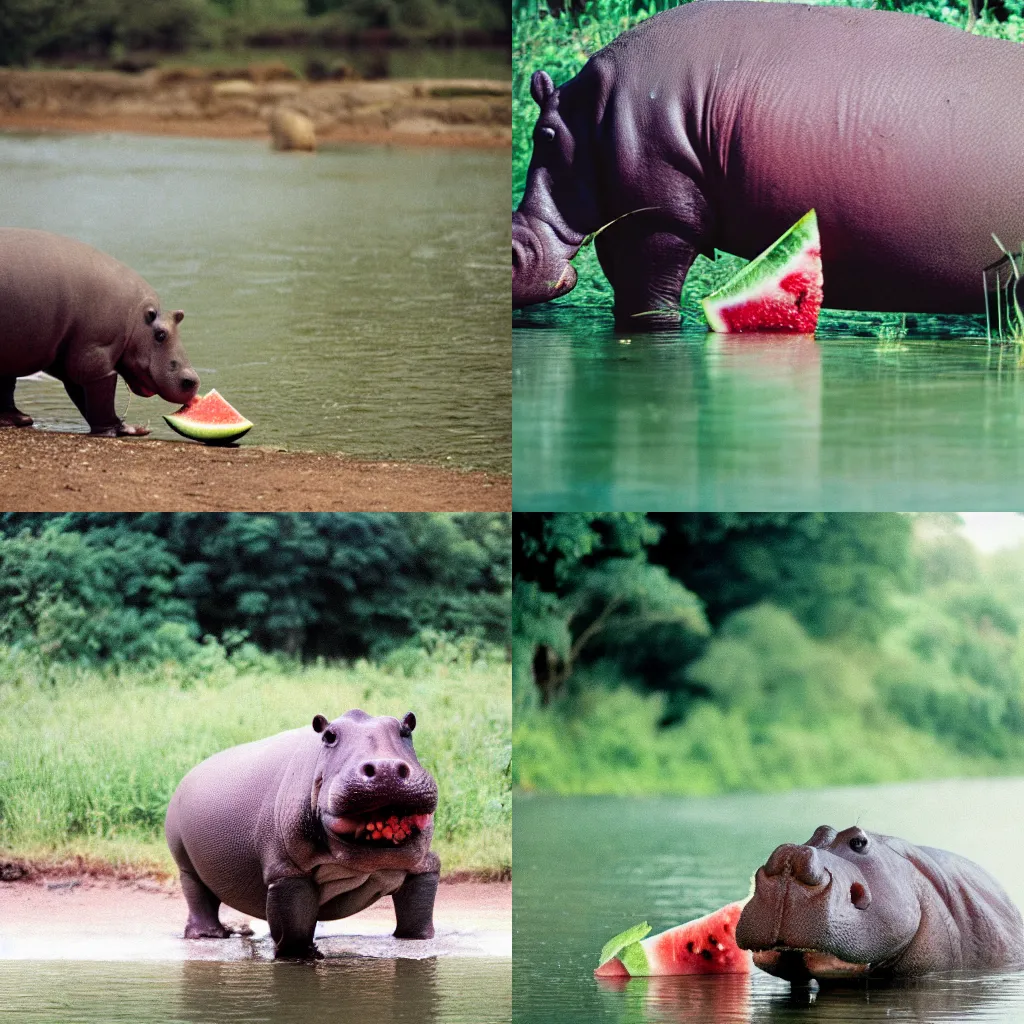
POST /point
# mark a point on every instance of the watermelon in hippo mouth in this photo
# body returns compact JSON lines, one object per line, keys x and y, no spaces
{"x":384,"y":826}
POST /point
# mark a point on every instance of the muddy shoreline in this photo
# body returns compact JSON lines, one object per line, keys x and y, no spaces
{"x":51,"y":472}
{"x":194,"y":102}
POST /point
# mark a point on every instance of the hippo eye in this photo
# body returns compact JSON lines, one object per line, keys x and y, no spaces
{"x":548,"y":134}
{"x":330,"y":737}
{"x":160,"y":334}
{"x":859,"y":843}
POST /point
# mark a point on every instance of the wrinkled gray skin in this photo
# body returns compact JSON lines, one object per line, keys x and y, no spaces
{"x":855,"y":903}
{"x":266,"y":828}
{"x":84,"y":318}
{"x":732,"y":120}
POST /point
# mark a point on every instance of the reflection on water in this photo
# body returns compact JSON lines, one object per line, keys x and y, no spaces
{"x":684,"y":421}
{"x":355,"y":301}
{"x":668,"y":860}
{"x":436,"y":991}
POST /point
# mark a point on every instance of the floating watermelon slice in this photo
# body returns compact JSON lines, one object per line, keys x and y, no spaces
{"x":705,"y":946}
{"x":780,"y":290}
{"x":209,"y":419}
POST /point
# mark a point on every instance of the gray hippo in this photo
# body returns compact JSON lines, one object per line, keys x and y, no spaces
{"x":309,"y":825}
{"x":718,"y":125}
{"x":81,"y":316}
{"x":854,"y":903}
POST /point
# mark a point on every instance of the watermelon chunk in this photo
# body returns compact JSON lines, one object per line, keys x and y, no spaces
{"x":780,"y":290}
{"x":209,"y":419}
{"x":704,"y":946}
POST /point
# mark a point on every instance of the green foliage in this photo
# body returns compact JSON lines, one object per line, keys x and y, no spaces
{"x":91,"y":758}
{"x":102,"y":586}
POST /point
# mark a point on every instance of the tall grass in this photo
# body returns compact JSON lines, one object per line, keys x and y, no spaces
{"x":89,"y":758}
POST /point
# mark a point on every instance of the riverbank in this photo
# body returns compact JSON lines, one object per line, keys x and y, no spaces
{"x":238,"y":104}
{"x":51,"y":472}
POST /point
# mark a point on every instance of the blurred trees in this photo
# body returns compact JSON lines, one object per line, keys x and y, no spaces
{"x":115,"y":585}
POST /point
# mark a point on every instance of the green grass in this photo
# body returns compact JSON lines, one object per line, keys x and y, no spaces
{"x":89,"y":759}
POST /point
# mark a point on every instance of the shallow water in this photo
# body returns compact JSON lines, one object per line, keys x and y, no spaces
{"x":687,"y":421}
{"x":354,"y":301}
{"x":433,"y":991}
{"x":589,"y":867}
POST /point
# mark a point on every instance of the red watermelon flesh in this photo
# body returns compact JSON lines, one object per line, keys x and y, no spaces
{"x":780,"y":290}
{"x":209,"y":419}
{"x":704,"y":946}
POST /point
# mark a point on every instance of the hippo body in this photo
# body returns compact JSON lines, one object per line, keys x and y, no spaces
{"x":281,"y":829}
{"x":718,"y":125}
{"x":83,"y":317}
{"x":855,"y":903}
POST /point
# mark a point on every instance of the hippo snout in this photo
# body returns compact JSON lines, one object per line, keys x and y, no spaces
{"x":385,"y":770}
{"x":541,"y":270}
{"x":800,"y":862}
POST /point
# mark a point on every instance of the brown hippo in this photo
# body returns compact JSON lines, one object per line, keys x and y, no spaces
{"x":309,"y":825}
{"x":854,"y":903}
{"x":84,"y":318}
{"x":718,"y":125}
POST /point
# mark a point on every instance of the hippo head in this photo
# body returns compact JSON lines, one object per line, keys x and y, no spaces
{"x":841,"y":904}
{"x":372,"y":797}
{"x":154,"y":361}
{"x":558,"y":209}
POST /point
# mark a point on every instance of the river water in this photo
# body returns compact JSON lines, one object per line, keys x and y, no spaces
{"x":356,"y":300}
{"x":686,"y":421}
{"x":589,"y":867}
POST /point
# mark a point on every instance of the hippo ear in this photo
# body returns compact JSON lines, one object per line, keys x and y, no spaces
{"x":541,"y":87}
{"x":151,"y":315}
{"x":319,"y":723}
{"x":179,"y":315}
{"x":408,"y":724}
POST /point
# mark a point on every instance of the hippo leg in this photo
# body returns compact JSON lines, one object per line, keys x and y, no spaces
{"x":203,"y":920}
{"x":414,"y":903}
{"x":646,"y":271}
{"x":292,"y":905}
{"x":10,"y":414}
{"x":95,"y":402}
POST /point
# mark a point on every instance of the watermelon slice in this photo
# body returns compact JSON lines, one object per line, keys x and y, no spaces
{"x":704,"y":946}
{"x":780,"y":290}
{"x":209,"y":419}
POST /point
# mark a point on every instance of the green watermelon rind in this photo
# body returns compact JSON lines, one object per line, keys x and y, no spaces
{"x":212,"y":433}
{"x":771,"y":265}
{"x":622,"y":946}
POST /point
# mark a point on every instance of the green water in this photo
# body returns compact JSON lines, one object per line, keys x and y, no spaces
{"x":356,"y":300}
{"x":693,"y":422}
{"x":589,"y":867}
{"x":434,"y":991}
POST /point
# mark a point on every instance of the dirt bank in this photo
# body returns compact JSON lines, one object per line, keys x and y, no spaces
{"x":49,"y":472}
{"x":187,"y":101}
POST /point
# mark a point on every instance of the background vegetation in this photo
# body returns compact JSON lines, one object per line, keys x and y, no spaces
{"x":560,"y":37}
{"x":133,"y":646}
{"x":700,"y":653}
{"x":108,"y":29}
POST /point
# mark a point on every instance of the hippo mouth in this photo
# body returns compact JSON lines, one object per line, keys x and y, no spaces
{"x":798,"y":964}
{"x":383,"y":827}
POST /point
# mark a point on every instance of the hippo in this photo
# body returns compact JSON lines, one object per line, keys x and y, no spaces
{"x":718,"y":125}
{"x":854,"y":904}
{"x":84,"y":318}
{"x":313,"y":824}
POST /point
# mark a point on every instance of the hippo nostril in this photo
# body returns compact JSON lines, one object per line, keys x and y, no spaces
{"x":403,"y":771}
{"x":368,"y":770}
{"x":188,"y":383}
{"x":859,"y":896}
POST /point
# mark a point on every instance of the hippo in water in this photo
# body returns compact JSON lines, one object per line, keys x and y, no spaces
{"x":309,"y":825}
{"x":84,"y":318}
{"x":854,"y":903}
{"x":718,"y":125}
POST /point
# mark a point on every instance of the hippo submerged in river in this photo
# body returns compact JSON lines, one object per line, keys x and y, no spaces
{"x":718,"y":125}
{"x":84,"y":318}
{"x":854,"y":903}
{"x":309,"y":825}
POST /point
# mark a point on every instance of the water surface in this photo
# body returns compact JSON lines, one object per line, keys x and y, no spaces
{"x":589,"y":867}
{"x":354,"y":301}
{"x":692,"y":422}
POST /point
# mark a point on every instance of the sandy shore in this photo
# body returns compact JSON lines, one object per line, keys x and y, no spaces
{"x":186,"y":101}
{"x":50,"y":472}
{"x":79,"y":917}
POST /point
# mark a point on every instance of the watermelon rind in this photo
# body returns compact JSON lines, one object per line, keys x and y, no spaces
{"x":626,"y":947}
{"x":751,"y":280}
{"x":210,"y":433}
